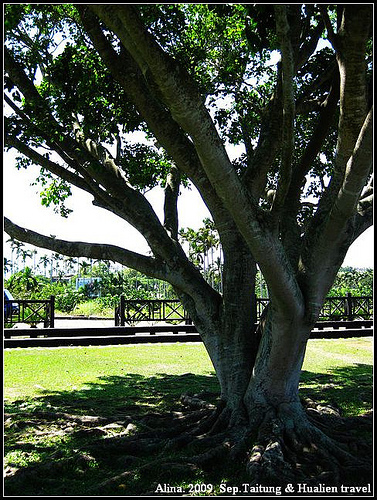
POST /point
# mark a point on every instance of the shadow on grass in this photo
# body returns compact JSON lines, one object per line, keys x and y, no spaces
{"x":67,"y":442}
{"x":350,"y":388}
{"x":110,"y":395}
{"x":53,"y":443}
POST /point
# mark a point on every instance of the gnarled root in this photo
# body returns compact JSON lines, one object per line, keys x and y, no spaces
{"x":290,"y":448}
{"x":277,"y":446}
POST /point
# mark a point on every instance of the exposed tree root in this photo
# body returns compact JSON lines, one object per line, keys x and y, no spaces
{"x":277,"y":446}
{"x":284,"y":447}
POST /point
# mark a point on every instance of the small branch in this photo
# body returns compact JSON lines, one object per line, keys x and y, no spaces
{"x":170,"y":204}
{"x":307,"y":49}
{"x":327,"y":77}
{"x":330,"y":32}
{"x":268,"y":145}
{"x":49,"y":165}
{"x":325,"y":121}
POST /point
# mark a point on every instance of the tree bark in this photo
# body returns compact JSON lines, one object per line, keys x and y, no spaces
{"x":277,"y":369}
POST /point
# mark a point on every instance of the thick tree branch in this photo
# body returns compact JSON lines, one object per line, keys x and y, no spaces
{"x":114,"y":253}
{"x":351,"y":47}
{"x":176,"y":89}
{"x":357,"y":172}
{"x":325,"y":252}
{"x":188,"y":110}
{"x":288,"y":99}
{"x":168,"y":133}
{"x":185,"y":278}
{"x":352,"y":38}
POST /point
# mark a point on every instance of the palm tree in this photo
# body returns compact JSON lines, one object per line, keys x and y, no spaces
{"x":44,"y":260}
{"x":15,"y":246}
{"x":84,"y":267}
{"x":26,"y":254}
{"x":7,"y":265}
{"x":34,"y":255}
{"x":57,"y":258}
{"x":70,"y":263}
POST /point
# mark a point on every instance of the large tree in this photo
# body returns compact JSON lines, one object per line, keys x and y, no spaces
{"x":197,"y":79}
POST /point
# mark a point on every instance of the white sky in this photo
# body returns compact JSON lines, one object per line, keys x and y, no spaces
{"x":22,"y":205}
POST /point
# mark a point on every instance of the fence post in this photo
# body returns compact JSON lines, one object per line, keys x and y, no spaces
{"x":254,"y":308}
{"x":52,"y":311}
{"x":349,"y":306}
{"x":121,"y":310}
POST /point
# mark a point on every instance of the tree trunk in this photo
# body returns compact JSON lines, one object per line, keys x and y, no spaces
{"x":277,"y":369}
{"x":258,"y":369}
{"x":228,"y":328}
{"x":260,"y":420}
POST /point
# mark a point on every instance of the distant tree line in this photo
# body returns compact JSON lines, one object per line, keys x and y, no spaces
{"x":27,"y":284}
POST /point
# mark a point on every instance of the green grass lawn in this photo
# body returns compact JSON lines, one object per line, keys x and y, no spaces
{"x":43,"y":386}
{"x":29,"y":373}
{"x":35,"y":372}
{"x":340,"y":371}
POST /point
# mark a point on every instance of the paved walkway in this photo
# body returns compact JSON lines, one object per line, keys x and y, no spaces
{"x":98,"y":323}
{"x":84,"y":323}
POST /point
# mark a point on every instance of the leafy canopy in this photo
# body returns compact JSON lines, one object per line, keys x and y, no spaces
{"x":226,"y":48}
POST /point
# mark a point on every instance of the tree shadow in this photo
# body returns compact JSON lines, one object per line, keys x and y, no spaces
{"x":64,"y":442}
{"x":350,"y":388}
{"x":114,"y":395}
{"x":68,"y":442}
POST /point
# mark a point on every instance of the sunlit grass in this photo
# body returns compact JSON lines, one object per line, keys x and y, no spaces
{"x":31,"y":372}
{"x":340,"y":371}
{"x":324,"y":354}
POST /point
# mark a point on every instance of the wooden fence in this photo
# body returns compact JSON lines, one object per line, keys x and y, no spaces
{"x":347,"y":308}
{"x":163,"y":321}
{"x":30,"y":311}
{"x":132,"y":312}
{"x":172,"y":311}
{"x":135,"y":311}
